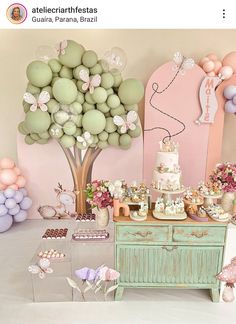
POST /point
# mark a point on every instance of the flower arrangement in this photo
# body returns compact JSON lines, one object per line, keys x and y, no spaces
{"x":98,"y":194}
{"x":225,"y":175}
{"x":96,"y":280}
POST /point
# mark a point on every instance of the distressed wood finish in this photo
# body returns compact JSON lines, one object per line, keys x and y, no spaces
{"x":177,"y":254}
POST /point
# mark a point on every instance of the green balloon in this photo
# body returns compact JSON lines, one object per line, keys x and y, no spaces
{"x":125,"y":140}
{"x":117,"y":79}
{"x":95,"y":139}
{"x":78,"y":132}
{"x":96,"y":69}
{"x":77,"y":70}
{"x":80,"y":98}
{"x":77,"y":119}
{"x":136,"y":132}
{"x":37,"y":121}
{"x":86,"y":107}
{"x":53,"y":106}
{"x":65,"y":91}
{"x":66,"y":73}
{"x":89,"y":58}
{"x":55,"y":65}
{"x":39,"y":74}
{"x":104,"y":65}
{"x":42,"y":141}
{"x":94,"y":122}
{"x":118,"y":111}
{"x":55,"y":131}
{"x":110,"y":126}
{"x":73,"y":54}
{"x":80,"y":85}
{"x":113,"y":101}
{"x":76,"y":108}
{"x":107,"y":80}
{"x":114,"y":139}
{"x":67,"y":141}
{"x":32,"y":89}
{"x":103,"y":136}
{"x":26,"y":106}
{"x":69,"y":128}
{"x":29,"y":140}
{"x":110,"y":91}
{"x":99,"y":95}
{"x":80,"y":146}
{"x":131,"y":91}
{"x":102,"y":144}
{"x":107,"y":114}
{"x":23,"y":129}
{"x":34,"y":136}
{"x":103,"y":107}
{"x":60,"y":117}
{"x":133,"y":107}
{"x":54,"y":80}
{"x":44,"y":135}
{"x":48,"y":89}
{"x":89,"y":98}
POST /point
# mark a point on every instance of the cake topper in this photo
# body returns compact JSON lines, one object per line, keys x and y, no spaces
{"x":168,"y":146}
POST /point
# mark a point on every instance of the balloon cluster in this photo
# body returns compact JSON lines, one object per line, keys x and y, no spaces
{"x":74,"y":98}
{"x":14,"y":201}
{"x":230,"y":94}
{"x":214,"y":67}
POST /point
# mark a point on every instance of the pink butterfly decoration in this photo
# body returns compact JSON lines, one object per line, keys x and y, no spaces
{"x":107,"y":274}
{"x":39,"y":101}
{"x":128,"y":123}
{"x":90,"y":82}
{"x":60,"y":47}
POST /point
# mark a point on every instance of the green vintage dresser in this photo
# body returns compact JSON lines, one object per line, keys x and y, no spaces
{"x":165,"y":254}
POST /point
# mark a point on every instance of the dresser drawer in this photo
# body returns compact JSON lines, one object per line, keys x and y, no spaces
{"x":142,"y":233}
{"x":199,"y":234}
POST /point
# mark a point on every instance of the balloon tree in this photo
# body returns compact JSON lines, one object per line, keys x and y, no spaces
{"x":84,"y":104}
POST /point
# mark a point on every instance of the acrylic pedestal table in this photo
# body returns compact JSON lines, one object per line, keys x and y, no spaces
{"x":169,"y":254}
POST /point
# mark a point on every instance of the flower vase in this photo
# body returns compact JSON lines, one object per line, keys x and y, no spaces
{"x":102,"y":215}
{"x":227,"y":201}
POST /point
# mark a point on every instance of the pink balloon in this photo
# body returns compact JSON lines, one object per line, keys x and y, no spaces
{"x":225,"y":72}
{"x":2,"y":186}
{"x":218,"y":66}
{"x":6,"y":163}
{"x":203,"y":60}
{"x":230,"y":60}
{"x":212,"y":57}
{"x":14,"y":186}
{"x":211,"y":73}
{"x":8,"y":176}
{"x":21,"y":181}
{"x":208,"y":66}
{"x":17,"y":171}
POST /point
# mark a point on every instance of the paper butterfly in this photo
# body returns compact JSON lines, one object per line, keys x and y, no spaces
{"x":182,"y":62}
{"x":55,"y":131}
{"x":128,"y":123}
{"x":89,"y":82}
{"x":39,"y":101}
{"x":85,"y":139}
{"x":41,"y":268}
{"x":61,"y":47}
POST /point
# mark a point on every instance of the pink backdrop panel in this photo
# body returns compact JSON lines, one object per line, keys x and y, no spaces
{"x":46,"y":165}
{"x":180,"y":100}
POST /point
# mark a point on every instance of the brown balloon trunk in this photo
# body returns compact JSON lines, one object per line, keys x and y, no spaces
{"x":81,"y":170}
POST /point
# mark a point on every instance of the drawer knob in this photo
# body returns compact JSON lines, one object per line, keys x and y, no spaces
{"x":142,"y":234}
{"x":169,"y":248}
{"x":199,"y":234}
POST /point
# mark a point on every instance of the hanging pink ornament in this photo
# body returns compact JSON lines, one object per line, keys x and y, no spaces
{"x":7,"y":176}
{"x":228,"y":294}
{"x":208,"y":66}
{"x":6,"y":163}
{"x":225,"y":72}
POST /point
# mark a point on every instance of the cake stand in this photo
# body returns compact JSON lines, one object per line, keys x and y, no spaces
{"x":166,"y":195}
{"x":209,"y":200}
{"x":194,"y":216}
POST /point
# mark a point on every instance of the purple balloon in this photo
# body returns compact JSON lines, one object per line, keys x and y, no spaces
{"x":3,"y":210}
{"x":26,"y":203}
{"x":5,"y":223}
{"x":2,"y":198}
{"x":10,"y":203}
{"x":20,"y":217}
{"x":18,"y":196}
{"x":229,"y":92}
{"x":9,"y":193}
{"x":24,"y":191}
{"x":14,"y":210}
{"x":230,"y":107}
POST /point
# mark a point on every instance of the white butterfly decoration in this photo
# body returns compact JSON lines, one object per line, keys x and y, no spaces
{"x":128,"y":123}
{"x":55,"y":131}
{"x":90,"y":82}
{"x":182,"y":62}
{"x":41,"y":268}
{"x":60,"y":47}
{"x":86,"y":139}
{"x":39,"y":101}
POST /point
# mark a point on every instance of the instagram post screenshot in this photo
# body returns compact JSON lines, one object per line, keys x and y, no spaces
{"x":117,"y":162}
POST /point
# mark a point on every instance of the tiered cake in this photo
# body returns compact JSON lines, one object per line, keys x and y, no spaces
{"x":167,"y":174}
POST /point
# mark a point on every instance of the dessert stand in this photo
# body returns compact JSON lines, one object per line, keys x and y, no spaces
{"x":194,"y":216}
{"x":209,"y":199}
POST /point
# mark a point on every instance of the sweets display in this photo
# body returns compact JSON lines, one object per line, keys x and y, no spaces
{"x":217,"y":213}
{"x":167,"y":174}
{"x":89,"y":217}
{"x":210,"y":189}
{"x":90,"y":234}
{"x":136,"y":193}
{"x":55,"y":233}
{"x":51,"y":254}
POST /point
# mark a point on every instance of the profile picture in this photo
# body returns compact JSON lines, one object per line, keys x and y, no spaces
{"x":16,"y":13}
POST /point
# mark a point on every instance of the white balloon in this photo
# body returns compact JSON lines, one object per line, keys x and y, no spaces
{"x":45,"y":53}
{"x":116,"y":59}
